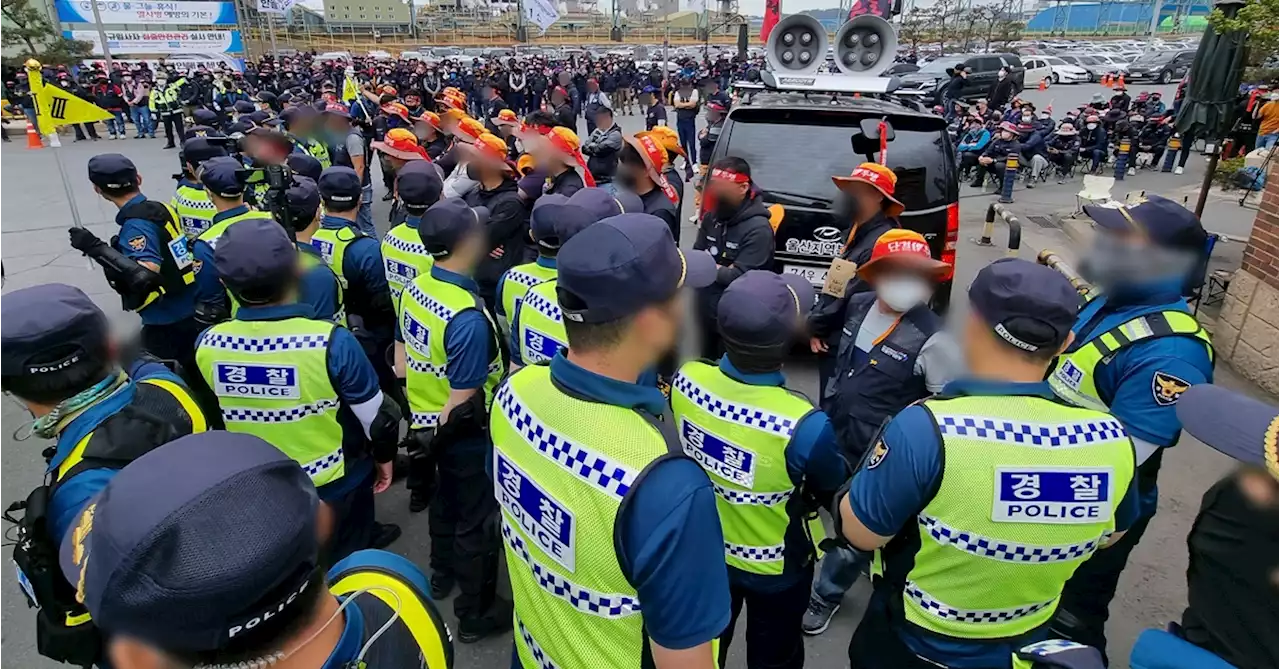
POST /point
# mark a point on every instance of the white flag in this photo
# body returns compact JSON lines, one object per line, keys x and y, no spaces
{"x":541,"y":13}
{"x":275,"y":6}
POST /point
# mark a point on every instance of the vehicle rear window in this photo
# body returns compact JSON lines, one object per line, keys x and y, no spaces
{"x":797,"y":151}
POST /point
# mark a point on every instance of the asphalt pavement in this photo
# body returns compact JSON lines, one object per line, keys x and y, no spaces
{"x":35,"y":212}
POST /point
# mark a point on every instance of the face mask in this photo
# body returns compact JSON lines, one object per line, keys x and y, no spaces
{"x":1026,"y":118}
{"x":1117,"y":266}
{"x":845,"y":209}
{"x":473,"y":173}
{"x":902,"y":293}
{"x":725,"y":209}
{"x":1092,"y":126}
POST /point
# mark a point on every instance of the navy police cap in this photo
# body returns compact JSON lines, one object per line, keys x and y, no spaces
{"x":47,"y":328}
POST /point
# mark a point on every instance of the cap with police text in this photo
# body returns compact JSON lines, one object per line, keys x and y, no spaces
{"x":222,"y":176}
{"x":255,"y":255}
{"x":1231,"y":423}
{"x":1159,"y":219}
{"x":340,"y":185}
{"x":112,"y":170}
{"x":155,"y":558}
{"x":447,"y":222}
{"x":199,"y":149}
{"x":764,"y":309}
{"x":1030,"y":306}
{"x":619,"y":266}
{"x":47,"y":328}
{"x":418,"y":184}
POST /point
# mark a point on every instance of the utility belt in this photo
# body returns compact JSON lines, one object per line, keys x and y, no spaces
{"x":64,"y":631}
{"x":468,"y":420}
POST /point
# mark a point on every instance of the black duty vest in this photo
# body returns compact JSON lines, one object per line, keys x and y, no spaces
{"x":861,"y":398}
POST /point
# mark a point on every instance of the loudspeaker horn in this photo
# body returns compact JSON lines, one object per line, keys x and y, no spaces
{"x":797,"y":45}
{"x":865,"y":45}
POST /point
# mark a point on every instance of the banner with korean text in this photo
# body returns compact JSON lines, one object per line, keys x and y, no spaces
{"x":181,"y":13}
{"x":155,"y":41}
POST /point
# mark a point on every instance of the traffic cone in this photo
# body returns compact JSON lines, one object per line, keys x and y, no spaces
{"x":1106,"y":81}
{"x":33,"y":137}
{"x":1043,"y":85}
{"x":1120,"y":81}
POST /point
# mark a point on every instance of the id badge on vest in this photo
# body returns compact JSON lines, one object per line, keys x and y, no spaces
{"x":180,"y":249}
{"x":729,"y":462}
{"x":235,"y":379}
{"x":402,"y":270}
{"x":416,"y":335}
{"x":1069,"y":374}
{"x":539,"y":516}
{"x":325,"y":248}
{"x":540,"y":347}
{"x":1064,"y":495}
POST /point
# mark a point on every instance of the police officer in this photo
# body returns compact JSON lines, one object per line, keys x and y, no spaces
{"x":895,"y":352}
{"x":974,"y":555}
{"x":302,"y":384}
{"x":736,"y":232}
{"x":254,"y":592}
{"x":224,"y":180}
{"x":300,"y":124}
{"x":180,"y":281}
{"x":643,"y":170}
{"x":263,"y":147}
{"x":418,"y":186}
{"x":537,"y":334}
{"x":1136,"y":350}
{"x":165,"y":105}
{"x":103,"y":410}
{"x":601,"y":528}
{"x":448,"y":351}
{"x":318,"y":285}
{"x":190,"y":199}
{"x":865,"y":203}
{"x":773,"y":460}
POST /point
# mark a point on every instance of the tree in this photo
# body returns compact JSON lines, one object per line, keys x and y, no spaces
{"x":29,"y":31}
{"x":913,"y":29}
{"x":1258,"y":18}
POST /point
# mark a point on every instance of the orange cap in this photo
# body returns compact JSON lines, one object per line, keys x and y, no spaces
{"x":904,"y":247}
{"x":469,"y":130}
{"x":655,"y":161}
{"x":506,"y":117}
{"x":401,"y":143}
{"x":430,"y":118}
{"x":881,"y":178}
{"x":525,"y":164}
{"x":566,"y":143}
{"x":396,"y":109}
{"x":667,"y":137}
{"x":490,"y":148}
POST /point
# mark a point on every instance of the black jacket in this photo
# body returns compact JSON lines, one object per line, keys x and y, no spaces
{"x":507,"y":228}
{"x":741,"y":243}
{"x":566,"y":183}
{"x":827,"y":316}
{"x":565,"y":117}
{"x":954,"y":88}
{"x":1000,"y":93}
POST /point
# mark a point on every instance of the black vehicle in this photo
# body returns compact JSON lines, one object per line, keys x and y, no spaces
{"x":830,"y":137}
{"x":1160,"y":66}
{"x":929,"y":81}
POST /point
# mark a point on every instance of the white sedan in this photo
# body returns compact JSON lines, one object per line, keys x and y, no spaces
{"x":1064,"y":72}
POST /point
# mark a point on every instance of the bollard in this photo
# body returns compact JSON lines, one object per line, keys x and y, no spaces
{"x":1171,"y":152}
{"x":989,"y":226}
{"x":1122,"y":160}
{"x":1010,"y":174}
{"x":1055,"y":262}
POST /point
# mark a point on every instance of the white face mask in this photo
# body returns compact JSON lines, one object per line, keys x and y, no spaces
{"x":901,"y":293}
{"x":1026,"y":118}
{"x":1091,"y":126}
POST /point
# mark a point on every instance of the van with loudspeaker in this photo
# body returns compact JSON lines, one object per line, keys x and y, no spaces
{"x":802,"y":125}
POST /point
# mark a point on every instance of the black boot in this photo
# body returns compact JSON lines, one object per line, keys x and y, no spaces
{"x":442,"y":585}
{"x":977,"y":181}
{"x":472,"y":630}
{"x":419,"y":500}
{"x":384,"y":534}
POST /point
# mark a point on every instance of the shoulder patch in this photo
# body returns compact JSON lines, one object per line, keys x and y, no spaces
{"x":878,"y":454}
{"x":1167,"y":388}
{"x":138,"y":243}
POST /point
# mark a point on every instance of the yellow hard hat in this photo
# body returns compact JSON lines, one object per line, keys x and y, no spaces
{"x":32,"y":64}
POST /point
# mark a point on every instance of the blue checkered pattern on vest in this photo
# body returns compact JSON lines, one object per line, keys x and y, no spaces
{"x":428,"y":302}
{"x":424,"y":366}
{"x":315,"y":468}
{"x":543,"y":306}
{"x":755,"y":553}
{"x":404,"y":245}
{"x":279,"y":415}
{"x":580,"y":598}
{"x":1005,"y":551}
{"x":229,"y":342}
{"x":941,"y":610}
{"x":523,"y":278}
{"x":424,"y":419}
{"x":1041,"y":435}
{"x":592,"y":468}
{"x":540,"y":656}
{"x":751,"y":498}
{"x":738,"y":413}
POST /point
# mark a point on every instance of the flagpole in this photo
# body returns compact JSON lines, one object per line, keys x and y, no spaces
{"x":66,"y":185}
{"x":102,"y":33}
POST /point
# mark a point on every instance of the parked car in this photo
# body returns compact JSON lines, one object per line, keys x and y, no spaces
{"x":1160,"y":66}
{"x":1062,"y":72}
{"x":1037,"y":70}
{"x":1113,"y":62}
{"x":1096,"y":68}
{"x":984,"y":68}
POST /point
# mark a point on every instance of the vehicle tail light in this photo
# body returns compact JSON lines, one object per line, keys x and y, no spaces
{"x":951,"y":239}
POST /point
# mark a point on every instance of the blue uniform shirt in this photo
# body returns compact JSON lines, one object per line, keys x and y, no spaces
{"x":352,"y":377}
{"x":75,"y":492}
{"x":814,"y":461}
{"x":515,"y":317}
{"x":140,"y":241}
{"x":888,"y":497}
{"x":669,"y":539}
{"x":234,"y":211}
{"x":362,"y":263}
{"x":318,"y":287}
{"x":1127,"y":382}
{"x":468,"y":342}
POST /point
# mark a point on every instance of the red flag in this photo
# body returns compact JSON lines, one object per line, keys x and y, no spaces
{"x":884,"y":141}
{"x":772,"y":14}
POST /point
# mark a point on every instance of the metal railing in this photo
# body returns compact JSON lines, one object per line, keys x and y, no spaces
{"x":989,"y":226}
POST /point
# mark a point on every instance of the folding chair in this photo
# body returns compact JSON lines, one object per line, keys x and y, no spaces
{"x":1094,"y":189}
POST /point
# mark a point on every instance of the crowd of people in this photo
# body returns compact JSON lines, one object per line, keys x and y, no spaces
{"x":508,"y":349}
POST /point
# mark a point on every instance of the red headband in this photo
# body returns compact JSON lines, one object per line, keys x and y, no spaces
{"x":729,"y":175}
